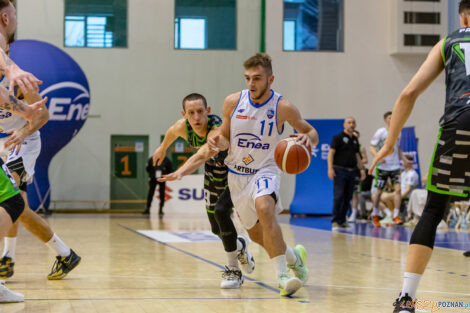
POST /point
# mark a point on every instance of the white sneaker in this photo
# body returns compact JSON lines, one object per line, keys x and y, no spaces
{"x":6,"y":295}
{"x":387,"y":220}
{"x":231,"y":279}
{"x":288,"y":285}
{"x":247,"y":262}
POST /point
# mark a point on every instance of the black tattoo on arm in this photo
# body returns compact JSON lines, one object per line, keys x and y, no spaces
{"x":13,"y":104}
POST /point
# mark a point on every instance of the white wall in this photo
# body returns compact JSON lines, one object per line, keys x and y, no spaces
{"x":138,"y":90}
{"x":364,"y":81}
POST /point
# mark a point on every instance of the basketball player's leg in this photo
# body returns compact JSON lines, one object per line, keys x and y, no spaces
{"x":397,"y":203}
{"x":236,"y":246}
{"x":67,"y":259}
{"x":10,"y":210}
{"x":445,"y":179}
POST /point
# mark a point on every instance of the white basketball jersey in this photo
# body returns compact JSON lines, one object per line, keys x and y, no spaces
{"x":9,"y":121}
{"x":253,"y":134}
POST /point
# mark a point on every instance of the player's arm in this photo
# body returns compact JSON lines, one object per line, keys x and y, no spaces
{"x":427,"y":73}
{"x":12,"y":104}
{"x":407,"y":192}
{"x":360,"y":166}
{"x":17,"y":76}
{"x":364,"y":157}
{"x":331,"y":156}
{"x":17,"y":136}
{"x":176,"y":130}
{"x":307,"y":135}
{"x":192,"y":164}
{"x":220,"y":139}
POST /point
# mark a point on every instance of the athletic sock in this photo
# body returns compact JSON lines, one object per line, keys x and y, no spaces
{"x":387,"y":212}
{"x":232,"y":260}
{"x":58,"y":246}
{"x":9,"y":248}
{"x":291,"y":258}
{"x":354,"y":213}
{"x":410,"y":284}
{"x":280,"y":264}
{"x":375,"y":212}
{"x":395,"y":212}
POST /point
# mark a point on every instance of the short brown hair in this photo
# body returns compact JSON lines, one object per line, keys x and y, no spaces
{"x":260,"y":59}
{"x":194,"y":96}
{"x":464,"y":5}
{"x":387,"y":114}
{"x":409,"y":157}
{"x":5,"y":3}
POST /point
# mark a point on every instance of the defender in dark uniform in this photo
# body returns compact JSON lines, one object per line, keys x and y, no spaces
{"x":450,"y":167}
{"x":194,"y":128}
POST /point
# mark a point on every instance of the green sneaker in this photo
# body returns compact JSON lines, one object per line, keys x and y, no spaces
{"x":6,"y":267}
{"x":288,"y":285}
{"x":300,"y":268}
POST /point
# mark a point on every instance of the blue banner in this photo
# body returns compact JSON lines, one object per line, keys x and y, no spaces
{"x":409,"y":145}
{"x":66,"y":87}
{"x":313,"y":188}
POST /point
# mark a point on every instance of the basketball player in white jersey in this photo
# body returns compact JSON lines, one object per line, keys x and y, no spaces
{"x":253,"y":121}
{"x":11,"y":203}
{"x":23,"y":140}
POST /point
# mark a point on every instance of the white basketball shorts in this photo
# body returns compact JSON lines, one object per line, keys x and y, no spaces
{"x":244,"y":190}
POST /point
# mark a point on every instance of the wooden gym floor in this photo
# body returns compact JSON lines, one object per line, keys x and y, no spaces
{"x":124,"y":270}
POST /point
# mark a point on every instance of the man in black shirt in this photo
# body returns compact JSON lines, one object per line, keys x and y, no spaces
{"x":343,"y":161}
{"x":156,"y":172}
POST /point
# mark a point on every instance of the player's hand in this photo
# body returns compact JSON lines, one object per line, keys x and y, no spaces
{"x":170,"y":177}
{"x":303,"y":139}
{"x":24,"y":80}
{"x":217,"y":143}
{"x":32,"y":111}
{"x":158,"y":156}
{"x":15,"y":140}
{"x":331,"y":174}
{"x":386,"y":150}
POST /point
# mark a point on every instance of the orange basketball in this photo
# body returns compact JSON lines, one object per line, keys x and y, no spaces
{"x":292,"y":157}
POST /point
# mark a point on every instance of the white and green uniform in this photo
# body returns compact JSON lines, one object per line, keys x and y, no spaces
{"x":24,"y":160}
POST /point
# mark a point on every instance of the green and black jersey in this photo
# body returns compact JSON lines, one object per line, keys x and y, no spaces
{"x":215,"y":170}
{"x":457,"y":68}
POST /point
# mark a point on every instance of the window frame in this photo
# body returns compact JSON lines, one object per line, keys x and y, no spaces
{"x":341,"y":26}
{"x":85,"y":31}
{"x":206,"y":49}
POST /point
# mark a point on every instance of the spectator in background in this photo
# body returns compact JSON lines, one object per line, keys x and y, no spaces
{"x":155,"y":172}
{"x":343,"y":162}
{"x":409,"y":181}
{"x":387,"y":168}
{"x":357,"y":183}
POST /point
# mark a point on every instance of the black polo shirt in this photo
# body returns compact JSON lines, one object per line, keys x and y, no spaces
{"x":346,"y":148}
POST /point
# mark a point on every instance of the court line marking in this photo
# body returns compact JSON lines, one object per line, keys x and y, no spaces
{"x":199,"y":258}
{"x":163,"y":298}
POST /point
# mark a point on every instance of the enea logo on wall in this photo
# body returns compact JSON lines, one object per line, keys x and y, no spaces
{"x":66,"y":86}
{"x":67,"y":101}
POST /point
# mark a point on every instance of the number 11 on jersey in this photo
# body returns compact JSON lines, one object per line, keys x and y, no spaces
{"x":271,"y":125}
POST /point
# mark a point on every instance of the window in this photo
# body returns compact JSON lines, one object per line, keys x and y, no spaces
{"x":313,"y":25}
{"x":95,"y":23}
{"x":422,"y":17}
{"x":421,"y":40}
{"x":205,"y":24}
